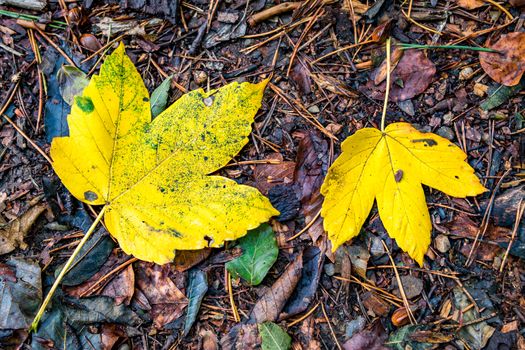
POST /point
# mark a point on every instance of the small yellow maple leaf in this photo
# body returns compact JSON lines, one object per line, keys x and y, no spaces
{"x":390,"y":168}
{"x":152,"y":176}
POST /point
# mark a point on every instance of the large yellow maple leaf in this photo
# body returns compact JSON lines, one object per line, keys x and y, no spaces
{"x":391,"y":167}
{"x":152,"y":176}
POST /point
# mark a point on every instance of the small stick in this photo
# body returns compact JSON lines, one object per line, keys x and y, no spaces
{"x":273,"y":11}
{"x":230,"y":293}
{"x":387,"y":92}
{"x":294,"y":322}
{"x":330,"y":326}
{"x":519,"y":214}
{"x":34,"y":324}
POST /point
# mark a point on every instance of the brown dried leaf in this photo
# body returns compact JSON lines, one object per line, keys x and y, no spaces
{"x":470,"y":4}
{"x":312,"y":165}
{"x":508,"y":66}
{"x":412,"y":76}
{"x":381,"y":72}
{"x":242,"y":336}
{"x":269,"y":306}
{"x":368,"y":339}
{"x":166,"y":300}
{"x":12,"y":235}
{"x":269,"y":175}
{"x":186,"y":259}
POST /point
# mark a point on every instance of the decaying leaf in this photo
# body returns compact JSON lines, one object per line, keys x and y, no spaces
{"x":270,"y":304}
{"x":390,"y":167}
{"x":12,"y":235}
{"x":412,"y":76}
{"x":470,"y":4}
{"x":508,"y":64}
{"x":152,"y":175}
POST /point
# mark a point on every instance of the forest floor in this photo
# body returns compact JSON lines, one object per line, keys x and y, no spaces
{"x":324,"y":60}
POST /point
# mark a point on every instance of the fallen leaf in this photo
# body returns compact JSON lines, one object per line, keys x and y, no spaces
{"x":270,"y":304}
{"x":12,"y":235}
{"x":20,"y":293}
{"x":475,"y":333}
{"x":159,"y":97}
{"x":270,"y":175}
{"x":259,"y":253}
{"x":197,"y":288}
{"x":71,"y":81}
{"x":242,"y":336}
{"x":306,"y":288}
{"x":412,"y":76}
{"x":508,"y":65}
{"x":186,"y":259}
{"x":273,"y":337}
{"x":390,"y":167}
{"x":310,"y":171}
{"x":90,"y":259}
{"x":151,"y":175}
{"x":500,"y":94}
{"x":372,"y":338}
{"x":166,"y":300}
{"x":470,"y":4}
{"x":120,"y":286}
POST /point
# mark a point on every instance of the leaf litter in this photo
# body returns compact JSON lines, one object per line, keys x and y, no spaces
{"x":446,"y":105}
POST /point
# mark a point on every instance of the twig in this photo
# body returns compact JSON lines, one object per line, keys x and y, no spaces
{"x":273,"y":11}
{"x":519,"y":215}
{"x":330,"y":326}
{"x":303,"y":317}
{"x":387,"y":92}
{"x":235,"y":312}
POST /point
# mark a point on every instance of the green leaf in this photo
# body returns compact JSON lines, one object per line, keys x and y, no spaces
{"x":159,"y":97}
{"x":260,"y":252}
{"x":273,"y":337}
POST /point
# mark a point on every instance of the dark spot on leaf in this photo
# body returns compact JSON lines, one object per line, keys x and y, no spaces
{"x":398,"y":175}
{"x":84,"y":103}
{"x":428,"y":142}
{"x":457,"y":177}
{"x":205,"y":158}
{"x":175,"y":233}
{"x":145,"y":99}
{"x":90,"y":196}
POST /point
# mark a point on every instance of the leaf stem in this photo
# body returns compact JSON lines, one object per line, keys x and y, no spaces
{"x":451,"y":47}
{"x":387,"y":92}
{"x":64,"y":270}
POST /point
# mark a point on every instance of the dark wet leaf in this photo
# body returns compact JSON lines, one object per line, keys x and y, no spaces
{"x":412,"y":76}
{"x":197,"y":288}
{"x":304,"y":293}
{"x":371,"y":338}
{"x":259,"y":253}
{"x":159,"y":97}
{"x":476,"y":334}
{"x":20,"y":293}
{"x":56,"y":109}
{"x":242,"y":336}
{"x":285,"y":199}
{"x":119,"y":286}
{"x":71,"y":82}
{"x":274,"y":337}
{"x":90,"y":259}
{"x":270,"y":304}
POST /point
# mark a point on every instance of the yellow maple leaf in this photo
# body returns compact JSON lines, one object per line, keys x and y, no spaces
{"x":390,"y":168}
{"x":152,"y":176}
